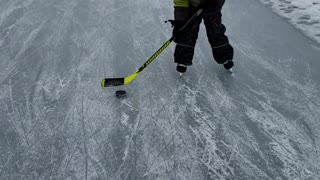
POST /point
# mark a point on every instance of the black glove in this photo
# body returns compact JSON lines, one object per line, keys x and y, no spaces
{"x":177,"y":25}
{"x":217,"y":4}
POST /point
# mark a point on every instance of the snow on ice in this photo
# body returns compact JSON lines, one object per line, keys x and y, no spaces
{"x":304,"y":14}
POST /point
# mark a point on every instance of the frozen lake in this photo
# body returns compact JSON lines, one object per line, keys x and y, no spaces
{"x":56,"y":122}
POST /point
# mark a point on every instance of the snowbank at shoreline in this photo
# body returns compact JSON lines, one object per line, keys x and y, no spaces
{"x":304,"y":14}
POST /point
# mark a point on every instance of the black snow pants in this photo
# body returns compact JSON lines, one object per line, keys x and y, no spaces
{"x":186,"y":41}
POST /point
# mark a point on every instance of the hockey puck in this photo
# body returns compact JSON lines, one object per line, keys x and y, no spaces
{"x":121,"y":93}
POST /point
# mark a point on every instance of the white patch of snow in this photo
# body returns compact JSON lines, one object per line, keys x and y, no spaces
{"x":305,"y":15}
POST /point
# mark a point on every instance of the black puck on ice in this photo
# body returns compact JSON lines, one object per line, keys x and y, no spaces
{"x":121,"y":93}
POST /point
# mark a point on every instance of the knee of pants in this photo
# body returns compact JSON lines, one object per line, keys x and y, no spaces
{"x":183,"y":54}
{"x":223,"y":53}
{"x":187,"y":37}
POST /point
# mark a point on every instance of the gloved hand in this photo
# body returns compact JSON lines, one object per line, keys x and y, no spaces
{"x":217,"y":4}
{"x":177,"y":25}
{"x":205,"y":4}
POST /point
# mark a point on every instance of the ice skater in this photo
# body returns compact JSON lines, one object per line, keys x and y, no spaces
{"x":186,"y":40}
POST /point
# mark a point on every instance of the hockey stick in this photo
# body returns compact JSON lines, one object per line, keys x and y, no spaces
{"x":109,"y":82}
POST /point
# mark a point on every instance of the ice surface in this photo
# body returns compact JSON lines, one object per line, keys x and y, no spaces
{"x":56,"y":122}
{"x":304,"y":14}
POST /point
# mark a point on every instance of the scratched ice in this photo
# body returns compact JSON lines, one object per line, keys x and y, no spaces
{"x":56,"y":122}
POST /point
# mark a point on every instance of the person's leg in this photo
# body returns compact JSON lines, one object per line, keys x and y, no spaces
{"x":186,"y":42}
{"x":221,"y":49}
